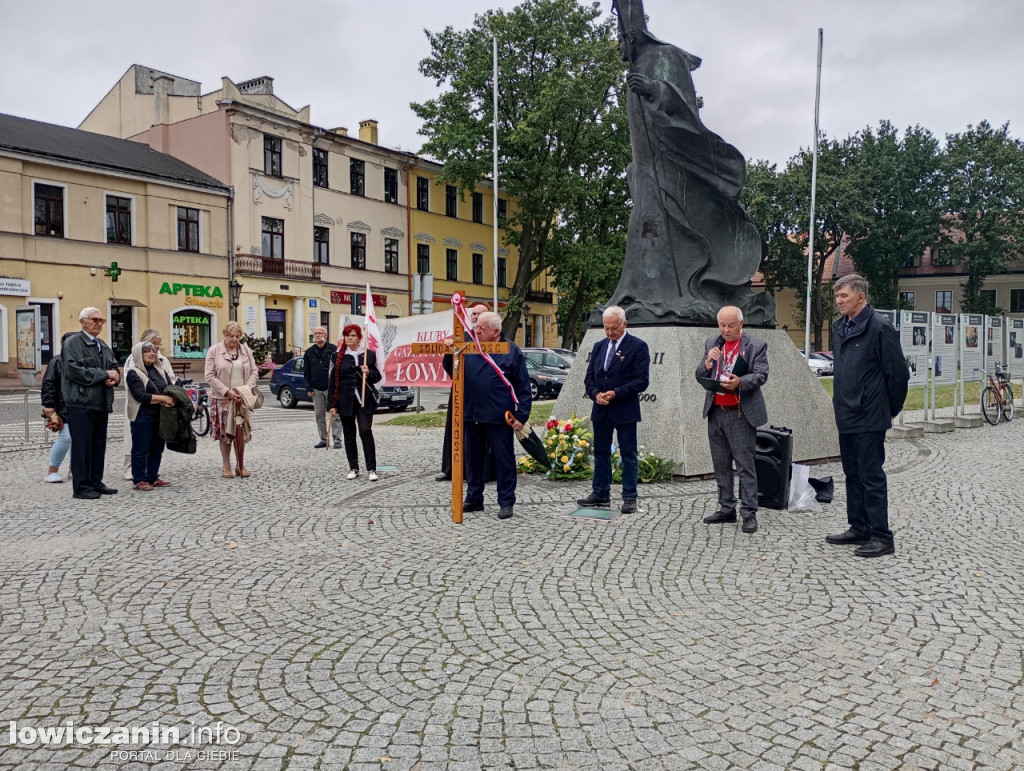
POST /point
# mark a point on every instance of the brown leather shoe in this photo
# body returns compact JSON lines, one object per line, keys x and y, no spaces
{"x":144,"y":487}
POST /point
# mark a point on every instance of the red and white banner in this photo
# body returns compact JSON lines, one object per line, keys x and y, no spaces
{"x":400,"y":366}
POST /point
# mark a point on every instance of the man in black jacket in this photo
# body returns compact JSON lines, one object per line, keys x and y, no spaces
{"x":316,"y":368}
{"x":869,"y":389}
{"x":90,"y":373}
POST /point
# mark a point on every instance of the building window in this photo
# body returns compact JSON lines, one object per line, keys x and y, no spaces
{"x":502,"y":212}
{"x":272,"y":155}
{"x":357,"y":177}
{"x":357,"y":303}
{"x":49,"y":210}
{"x":119,"y":220}
{"x":319,"y":167}
{"x":451,"y":201}
{"x":359,"y":250}
{"x":422,"y":194}
{"x":478,"y":269}
{"x":988,"y":301}
{"x":452,"y":265}
{"x":1017,"y":301}
{"x":390,"y":185}
{"x":390,"y":255}
{"x":422,"y":258}
{"x":907,"y":301}
{"x":188,"y":229}
{"x":478,"y":207}
{"x":942,"y":256}
{"x":273,"y":238}
{"x":943,"y":302}
{"x":321,"y":245}
{"x":913,"y":260}
{"x":502,"y":271}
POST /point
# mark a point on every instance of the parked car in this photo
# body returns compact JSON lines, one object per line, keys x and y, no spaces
{"x":820,"y":364}
{"x":557,"y":358}
{"x":545,"y":381}
{"x":288,"y":384}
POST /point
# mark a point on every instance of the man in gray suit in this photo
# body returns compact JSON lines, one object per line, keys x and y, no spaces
{"x":734,"y":412}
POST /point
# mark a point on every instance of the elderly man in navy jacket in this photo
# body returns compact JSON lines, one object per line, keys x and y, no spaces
{"x":488,"y":398}
{"x":617,"y":373}
{"x":868,"y":391}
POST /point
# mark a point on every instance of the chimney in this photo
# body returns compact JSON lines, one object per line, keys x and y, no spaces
{"x":263,"y":86}
{"x":162,"y":87}
{"x":368,"y":131}
{"x":343,"y":130}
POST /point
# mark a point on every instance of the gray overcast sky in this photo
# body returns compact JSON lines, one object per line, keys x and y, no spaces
{"x":941,"y":63}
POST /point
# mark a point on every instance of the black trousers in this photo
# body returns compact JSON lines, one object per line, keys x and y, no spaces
{"x":88,"y":447}
{"x":483,"y":439}
{"x":490,"y":474}
{"x":348,"y":430}
{"x":867,"y":491}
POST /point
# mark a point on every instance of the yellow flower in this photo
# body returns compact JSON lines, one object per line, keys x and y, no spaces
{"x":565,"y":459}
{"x":565,"y":467}
{"x":583,"y":443}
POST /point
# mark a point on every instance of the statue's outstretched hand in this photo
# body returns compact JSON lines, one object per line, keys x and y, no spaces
{"x":642,"y":85}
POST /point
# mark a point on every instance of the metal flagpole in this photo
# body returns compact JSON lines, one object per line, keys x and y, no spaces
{"x":494,"y":175}
{"x":814,"y":185}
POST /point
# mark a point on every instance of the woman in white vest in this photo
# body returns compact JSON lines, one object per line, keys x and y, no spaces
{"x":154,"y":337}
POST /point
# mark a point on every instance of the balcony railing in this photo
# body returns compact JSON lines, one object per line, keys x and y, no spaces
{"x":538,"y":296}
{"x":254,"y":264}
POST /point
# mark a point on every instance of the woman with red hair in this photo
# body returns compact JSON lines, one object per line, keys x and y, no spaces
{"x":347,"y":400}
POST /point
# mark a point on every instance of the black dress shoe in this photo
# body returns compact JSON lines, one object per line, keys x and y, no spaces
{"x":104,"y":490}
{"x":88,"y":495}
{"x":319,"y":445}
{"x":628,"y":507}
{"x":720,"y":516}
{"x":876,"y":547}
{"x":505,"y":512}
{"x":849,"y":536}
{"x":473,"y":506}
{"x":749,"y":525}
{"x":337,"y":444}
{"x":442,"y":478}
{"x":593,"y":500}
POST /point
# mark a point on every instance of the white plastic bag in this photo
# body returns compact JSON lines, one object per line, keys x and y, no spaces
{"x":802,"y":497}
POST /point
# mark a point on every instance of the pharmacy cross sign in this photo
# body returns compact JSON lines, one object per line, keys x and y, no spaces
{"x":457,"y":350}
{"x":113,"y":271}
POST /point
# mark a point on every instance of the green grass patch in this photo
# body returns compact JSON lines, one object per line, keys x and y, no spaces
{"x":916,"y":394}
{"x":538,"y":417}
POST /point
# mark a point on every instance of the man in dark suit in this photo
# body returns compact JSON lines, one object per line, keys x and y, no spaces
{"x":733,"y":413}
{"x":617,"y":373}
{"x":446,"y":448}
{"x":90,"y":374}
{"x":869,"y":389}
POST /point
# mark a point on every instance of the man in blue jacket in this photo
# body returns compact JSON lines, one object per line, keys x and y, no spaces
{"x":617,"y":373}
{"x":868,"y":391}
{"x":487,"y":399}
{"x":316,"y":367}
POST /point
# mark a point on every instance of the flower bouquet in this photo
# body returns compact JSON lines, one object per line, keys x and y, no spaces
{"x":569,"y":446}
{"x":53,"y":421}
{"x":260,"y":347}
{"x":652,"y":467}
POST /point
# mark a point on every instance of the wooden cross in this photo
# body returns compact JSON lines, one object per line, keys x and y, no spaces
{"x":458,"y":349}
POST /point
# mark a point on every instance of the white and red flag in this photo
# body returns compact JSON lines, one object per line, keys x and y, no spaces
{"x":373,"y":338}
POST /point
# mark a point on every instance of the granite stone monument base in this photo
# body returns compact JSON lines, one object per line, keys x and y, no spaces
{"x":673,"y":426}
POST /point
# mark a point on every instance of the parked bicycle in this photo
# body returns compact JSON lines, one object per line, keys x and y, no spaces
{"x":200,"y":396}
{"x":997,"y":396}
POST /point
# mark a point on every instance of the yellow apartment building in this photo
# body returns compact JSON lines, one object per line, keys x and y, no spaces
{"x":90,"y":220}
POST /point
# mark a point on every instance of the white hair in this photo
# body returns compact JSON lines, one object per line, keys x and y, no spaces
{"x":614,"y":311}
{"x":739,"y":313}
{"x":490,"y":319}
{"x":87,"y":311}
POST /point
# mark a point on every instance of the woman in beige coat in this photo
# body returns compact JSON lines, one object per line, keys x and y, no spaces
{"x":229,"y":366}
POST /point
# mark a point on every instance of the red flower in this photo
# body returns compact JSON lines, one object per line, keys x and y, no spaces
{"x":568,"y":428}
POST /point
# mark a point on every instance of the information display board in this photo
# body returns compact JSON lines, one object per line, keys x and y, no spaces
{"x":994,"y":342}
{"x":1015,"y":345}
{"x":914,"y":328}
{"x":972,"y":352}
{"x":944,"y":348}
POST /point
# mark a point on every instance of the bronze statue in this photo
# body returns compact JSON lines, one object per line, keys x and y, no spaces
{"x":691,"y":248}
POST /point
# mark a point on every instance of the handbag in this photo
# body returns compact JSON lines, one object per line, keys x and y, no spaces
{"x":258,"y":393}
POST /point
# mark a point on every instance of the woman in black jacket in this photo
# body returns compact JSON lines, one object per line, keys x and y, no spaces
{"x":53,"y":402}
{"x":347,"y":400}
{"x":146,"y":382}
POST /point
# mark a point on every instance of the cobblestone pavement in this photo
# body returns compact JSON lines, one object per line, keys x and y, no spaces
{"x":341,"y":624}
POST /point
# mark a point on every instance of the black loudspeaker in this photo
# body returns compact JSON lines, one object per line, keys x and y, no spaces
{"x":774,"y":459}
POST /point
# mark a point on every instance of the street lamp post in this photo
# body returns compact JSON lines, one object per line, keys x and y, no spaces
{"x":235,"y":292}
{"x":526,"y":321}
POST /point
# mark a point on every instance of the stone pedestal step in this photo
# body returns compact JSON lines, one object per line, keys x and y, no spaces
{"x":969,"y":421}
{"x":939,"y":426}
{"x":905,"y":431}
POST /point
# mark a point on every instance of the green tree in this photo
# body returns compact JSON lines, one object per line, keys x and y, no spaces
{"x":560,"y":76}
{"x":983,"y":175}
{"x":892,"y":207}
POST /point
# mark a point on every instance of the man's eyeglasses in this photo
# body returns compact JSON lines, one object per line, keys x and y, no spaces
{"x":98,"y":320}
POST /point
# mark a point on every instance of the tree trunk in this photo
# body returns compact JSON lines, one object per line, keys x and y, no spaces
{"x":573,"y":317}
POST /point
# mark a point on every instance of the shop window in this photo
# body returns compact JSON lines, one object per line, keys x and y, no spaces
{"x":49,"y":210}
{"x":190,"y":334}
{"x":119,"y":220}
